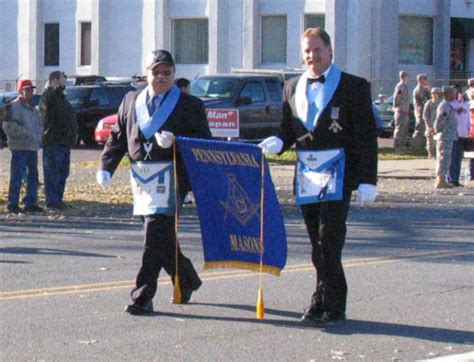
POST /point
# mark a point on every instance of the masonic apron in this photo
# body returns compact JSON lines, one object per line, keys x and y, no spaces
{"x":153,"y":182}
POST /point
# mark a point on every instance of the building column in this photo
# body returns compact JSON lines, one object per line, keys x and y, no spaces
{"x":359,"y":38}
{"x":163,"y":25}
{"x":384,"y":46}
{"x":442,"y":39}
{"x":336,"y":26}
{"x":251,"y":33}
{"x":99,"y":30}
{"x":29,"y":26}
{"x":218,"y":36}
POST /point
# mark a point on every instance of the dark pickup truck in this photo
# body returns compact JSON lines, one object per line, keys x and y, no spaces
{"x":258,"y":97}
{"x":93,"y":102}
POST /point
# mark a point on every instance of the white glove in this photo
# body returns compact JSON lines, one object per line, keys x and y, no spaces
{"x":271,"y":145}
{"x":103,"y":178}
{"x":366,"y":194}
{"x":164,"y":139}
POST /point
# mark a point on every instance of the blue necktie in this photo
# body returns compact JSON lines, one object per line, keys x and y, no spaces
{"x":152,"y":105}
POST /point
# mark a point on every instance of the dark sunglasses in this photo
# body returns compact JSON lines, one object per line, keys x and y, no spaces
{"x":165,"y":72}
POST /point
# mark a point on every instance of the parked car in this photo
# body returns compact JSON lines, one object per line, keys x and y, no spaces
{"x":388,"y":118}
{"x":104,"y":127}
{"x":92,"y":103}
{"x":85,"y":79}
{"x":257,"y":97}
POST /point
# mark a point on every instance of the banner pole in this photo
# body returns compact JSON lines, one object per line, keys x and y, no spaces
{"x":177,"y":289}
{"x":260,"y":305}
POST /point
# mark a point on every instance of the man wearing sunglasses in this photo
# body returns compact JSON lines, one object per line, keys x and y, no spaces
{"x":148,"y":120}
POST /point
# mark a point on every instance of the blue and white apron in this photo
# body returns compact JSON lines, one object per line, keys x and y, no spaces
{"x":152,"y":188}
{"x":319,"y":176}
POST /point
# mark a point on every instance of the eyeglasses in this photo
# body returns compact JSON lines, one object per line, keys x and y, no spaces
{"x":165,"y":72}
{"x":27,"y":90}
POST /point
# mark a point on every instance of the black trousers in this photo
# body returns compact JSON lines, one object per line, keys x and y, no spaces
{"x":160,"y":252}
{"x":326,"y":225}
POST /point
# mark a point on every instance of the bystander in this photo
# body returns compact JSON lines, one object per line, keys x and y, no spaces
{"x":23,"y":127}
{"x":60,"y":134}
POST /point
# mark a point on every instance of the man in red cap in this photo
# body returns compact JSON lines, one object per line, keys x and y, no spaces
{"x":24,"y":129}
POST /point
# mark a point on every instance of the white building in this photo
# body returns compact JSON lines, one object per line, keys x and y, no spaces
{"x":371,"y":38}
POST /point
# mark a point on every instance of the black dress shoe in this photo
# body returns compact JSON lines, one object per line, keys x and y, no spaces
{"x":56,"y":206}
{"x":312,"y":314}
{"x":14,"y":210}
{"x":33,"y":208}
{"x":333,"y":317}
{"x":64,"y":205}
{"x":140,"y":308}
{"x":187,"y":292}
{"x":456,"y":184}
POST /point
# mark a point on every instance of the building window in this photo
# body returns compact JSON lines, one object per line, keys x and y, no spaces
{"x":86,"y":43}
{"x":191,"y":41}
{"x":313,"y":21}
{"x":51,"y":44}
{"x":415,"y":40}
{"x":274,"y":39}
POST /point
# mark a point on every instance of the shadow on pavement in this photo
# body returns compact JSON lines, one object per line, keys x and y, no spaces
{"x":48,"y":251}
{"x":445,"y":335}
{"x":348,"y":327}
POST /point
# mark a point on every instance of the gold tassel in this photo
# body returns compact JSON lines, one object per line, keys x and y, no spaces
{"x":260,"y":305}
{"x":176,"y":291}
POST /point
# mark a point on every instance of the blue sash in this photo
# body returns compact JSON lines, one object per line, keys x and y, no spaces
{"x":149,"y":125}
{"x":321,"y":101}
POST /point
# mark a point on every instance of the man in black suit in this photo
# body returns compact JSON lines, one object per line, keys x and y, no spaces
{"x":148,"y":119}
{"x":326,"y":109}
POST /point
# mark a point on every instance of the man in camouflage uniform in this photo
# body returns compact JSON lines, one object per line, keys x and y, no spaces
{"x":421,"y":94}
{"x":400,"y":109}
{"x":429,"y":116}
{"x":445,"y":128}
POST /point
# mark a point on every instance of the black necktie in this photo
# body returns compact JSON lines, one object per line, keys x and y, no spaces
{"x":320,"y":79}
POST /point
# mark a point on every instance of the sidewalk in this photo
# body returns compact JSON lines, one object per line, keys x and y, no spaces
{"x":398,"y":169}
{"x":411,"y":169}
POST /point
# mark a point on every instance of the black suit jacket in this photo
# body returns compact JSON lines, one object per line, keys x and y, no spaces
{"x":187,"y":119}
{"x":358,"y":135}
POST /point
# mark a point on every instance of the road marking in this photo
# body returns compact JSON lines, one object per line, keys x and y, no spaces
{"x":218,"y":275}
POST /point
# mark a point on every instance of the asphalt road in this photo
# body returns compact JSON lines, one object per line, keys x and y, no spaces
{"x":65,"y":279}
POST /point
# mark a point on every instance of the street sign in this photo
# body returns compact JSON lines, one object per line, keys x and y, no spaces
{"x":223,"y":122}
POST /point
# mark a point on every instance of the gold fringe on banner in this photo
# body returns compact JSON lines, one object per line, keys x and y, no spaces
{"x":242,"y":265}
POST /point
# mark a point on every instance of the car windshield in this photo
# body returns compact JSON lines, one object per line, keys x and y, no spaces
{"x":385,"y":106}
{"x":214,"y":87}
{"x":76,"y":96}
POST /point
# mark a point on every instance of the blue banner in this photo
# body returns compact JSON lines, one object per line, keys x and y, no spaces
{"x":226,"y":178}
